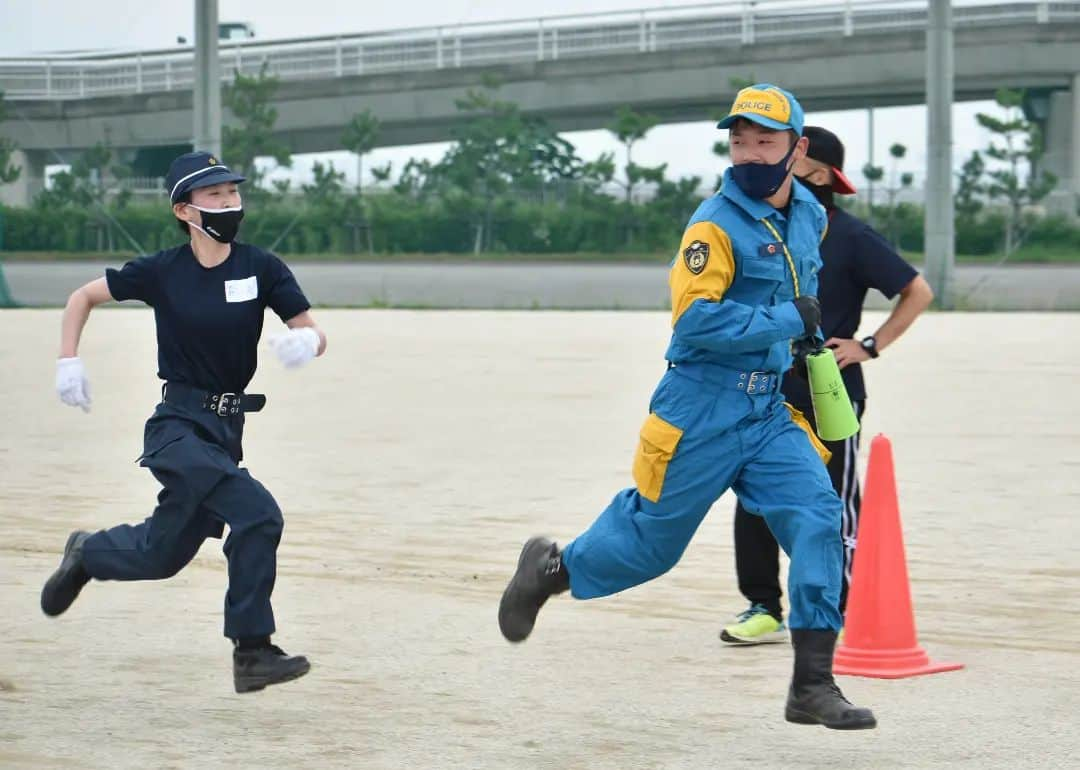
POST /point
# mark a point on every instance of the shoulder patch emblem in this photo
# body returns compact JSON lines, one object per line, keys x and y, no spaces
{"x":696,"y":256}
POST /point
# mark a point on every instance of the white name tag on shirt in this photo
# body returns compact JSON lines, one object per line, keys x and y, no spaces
{"x":244,"y":290}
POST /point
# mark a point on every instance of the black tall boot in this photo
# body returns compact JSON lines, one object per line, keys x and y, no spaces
{"x":814,"y":698}
{"x":540,"y":574}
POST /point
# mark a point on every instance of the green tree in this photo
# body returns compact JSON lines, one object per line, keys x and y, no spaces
{"x":381,"y":174}
{"x":90,"y":168}
{"x":360,"y":136}
{"x":970,"y":187}
{"x":600,"y":172}
{"x":496,"y":150}
{"x":65,"y":189}
{"x":329,"y":207}
{"x":249,"y":99}
{"x":1015,"y":181}
{"x":83,"y":186}
{"x":9,"y":172}
{"x":83,"y":183}
{"x":282,"y":187}
{"x":416,"y":178}
{"x":677,"y":200}
{"x":898,"y":181}
{"x":326,"y":187}
{"x":630,"y":127}
{"x":872,"y":174}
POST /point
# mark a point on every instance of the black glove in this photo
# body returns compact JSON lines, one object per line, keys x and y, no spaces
{"x":810,"y":312}
{"x":800,"y":349}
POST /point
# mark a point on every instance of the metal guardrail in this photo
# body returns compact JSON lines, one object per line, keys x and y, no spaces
{"x":82,"y":76}
{"x":141,"y":185}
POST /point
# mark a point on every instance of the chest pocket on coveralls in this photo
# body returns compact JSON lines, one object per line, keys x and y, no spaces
{"x":767,"y":269}
{"x":656,"y":447}
{"x":761,"y":277}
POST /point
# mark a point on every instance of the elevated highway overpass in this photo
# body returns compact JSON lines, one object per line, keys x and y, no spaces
{"x":575,"y":71}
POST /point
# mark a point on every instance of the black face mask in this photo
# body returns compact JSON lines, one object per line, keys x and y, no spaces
{"x":823,"y":192}
{"x":761,"y":180}
{"x":220,"y":224}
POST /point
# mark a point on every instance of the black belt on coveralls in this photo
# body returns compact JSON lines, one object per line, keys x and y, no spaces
{"x":221,"y":404}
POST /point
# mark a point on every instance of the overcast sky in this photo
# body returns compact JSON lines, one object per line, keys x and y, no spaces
{"x":38,"y":26}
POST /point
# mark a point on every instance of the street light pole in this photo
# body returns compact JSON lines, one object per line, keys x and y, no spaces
{"x":938,"y":232}
{"x":207,"y":97}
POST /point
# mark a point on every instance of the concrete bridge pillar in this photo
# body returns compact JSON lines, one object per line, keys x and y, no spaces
{"x":1062,"y":150}
{"x":31,"y":180}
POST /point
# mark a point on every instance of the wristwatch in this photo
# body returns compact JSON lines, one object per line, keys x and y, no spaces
{"x":869,"y":344}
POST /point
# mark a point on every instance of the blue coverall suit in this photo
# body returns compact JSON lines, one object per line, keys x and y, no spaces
{"x":717,"y":419}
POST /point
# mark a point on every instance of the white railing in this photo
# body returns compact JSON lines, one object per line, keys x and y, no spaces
{"x":80,"y":76}
{"x":141,"y":185}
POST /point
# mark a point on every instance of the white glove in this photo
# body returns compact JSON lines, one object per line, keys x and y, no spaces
{"x":71,"y":383}
{"x":296,"y":347}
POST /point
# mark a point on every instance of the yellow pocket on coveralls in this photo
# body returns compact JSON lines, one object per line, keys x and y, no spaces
{"x":799,"y":419}
{"x":656,"y":447}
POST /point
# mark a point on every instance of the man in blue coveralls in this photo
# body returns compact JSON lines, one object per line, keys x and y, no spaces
{"x":742,"y":296}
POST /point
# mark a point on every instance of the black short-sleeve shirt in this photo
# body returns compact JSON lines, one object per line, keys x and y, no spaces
{"x":855,"y":259}
{"x":209,"y":320}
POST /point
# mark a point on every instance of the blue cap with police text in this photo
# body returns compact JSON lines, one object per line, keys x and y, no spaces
{"x":196,"y":169}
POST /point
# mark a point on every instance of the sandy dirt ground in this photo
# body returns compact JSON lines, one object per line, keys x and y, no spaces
{"x":413,"y":460}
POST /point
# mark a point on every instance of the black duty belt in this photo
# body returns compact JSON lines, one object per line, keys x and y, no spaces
{"x":221,"y":404}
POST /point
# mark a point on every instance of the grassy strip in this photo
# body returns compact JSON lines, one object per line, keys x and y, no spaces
{"x":1034,"y":255}
{"x":412,"y":257}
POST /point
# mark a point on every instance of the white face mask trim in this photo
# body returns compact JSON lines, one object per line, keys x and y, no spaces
{"x":216,"y":211}
{"x":211,"y":211}
{"x":192,"y":224}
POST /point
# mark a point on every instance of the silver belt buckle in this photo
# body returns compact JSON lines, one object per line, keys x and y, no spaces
{"x":753,"y":386}
{"x":222,"y":404}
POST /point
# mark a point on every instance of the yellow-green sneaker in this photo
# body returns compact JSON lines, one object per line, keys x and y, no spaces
{"x":755,"y":626}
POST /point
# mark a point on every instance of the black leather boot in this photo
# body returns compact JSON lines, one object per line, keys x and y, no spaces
{"x":814,"y":698}
{"x":64,"y":585}
{"x":540,"y":574}
{"x":254,"y":669}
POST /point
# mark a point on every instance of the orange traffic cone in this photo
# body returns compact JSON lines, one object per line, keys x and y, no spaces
{"x":879,"y":630}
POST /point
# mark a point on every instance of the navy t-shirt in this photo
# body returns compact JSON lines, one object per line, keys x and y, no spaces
{"x":855,"y":259}
{"x":209,"y":319}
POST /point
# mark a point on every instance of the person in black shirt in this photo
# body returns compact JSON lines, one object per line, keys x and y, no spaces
{"x":209,"y":297}
{"x":855,"y":259}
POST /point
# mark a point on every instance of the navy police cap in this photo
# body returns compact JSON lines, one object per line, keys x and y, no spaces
{"x":196,"y":169}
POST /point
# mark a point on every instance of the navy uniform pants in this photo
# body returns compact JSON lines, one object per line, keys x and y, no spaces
{"x":704,"y":435}
{"x":194,"y":454}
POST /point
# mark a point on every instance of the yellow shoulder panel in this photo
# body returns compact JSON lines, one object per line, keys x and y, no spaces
{"x":703,"y":269}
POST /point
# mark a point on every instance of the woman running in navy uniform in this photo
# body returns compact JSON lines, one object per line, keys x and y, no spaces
{"x":209,"y":297}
